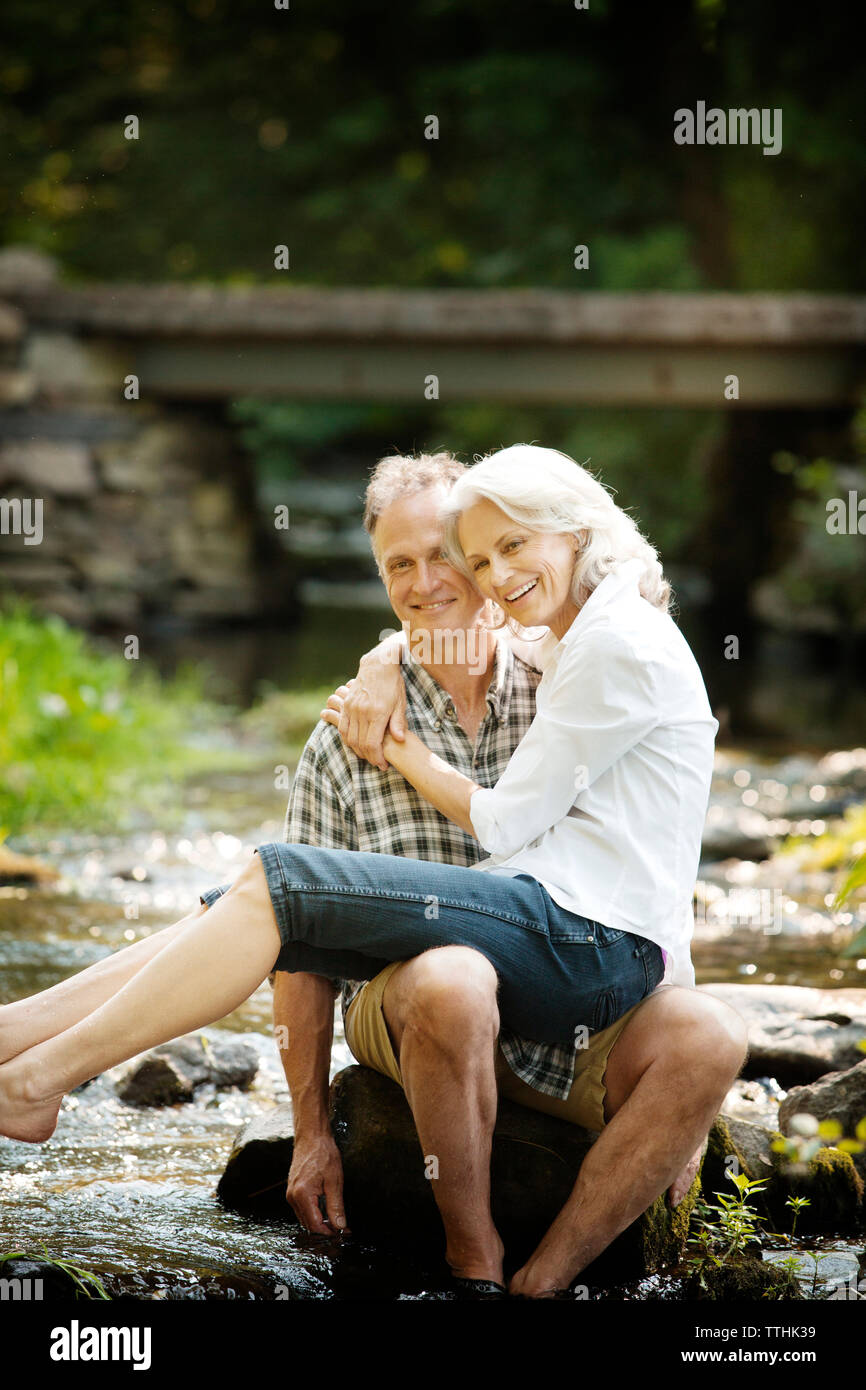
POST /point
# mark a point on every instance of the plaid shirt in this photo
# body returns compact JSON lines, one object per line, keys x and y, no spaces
{"x":339,"y":801}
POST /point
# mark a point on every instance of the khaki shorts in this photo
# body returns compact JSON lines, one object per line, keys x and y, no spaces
{"x":370,"y":1042}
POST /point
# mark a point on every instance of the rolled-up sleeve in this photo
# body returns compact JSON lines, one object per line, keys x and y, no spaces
{"x":603,"y":699}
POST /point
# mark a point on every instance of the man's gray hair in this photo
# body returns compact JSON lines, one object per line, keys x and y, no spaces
{"x":401,"y":475}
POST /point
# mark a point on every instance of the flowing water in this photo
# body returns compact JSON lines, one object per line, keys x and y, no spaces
{"x":128,"y":1192}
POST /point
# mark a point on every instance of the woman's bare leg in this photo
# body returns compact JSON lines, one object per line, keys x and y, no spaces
{"x":205,"y":972}
{"x":26,"y":1022}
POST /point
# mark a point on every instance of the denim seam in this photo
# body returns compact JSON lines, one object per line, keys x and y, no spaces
{"x":327,"y":890}
{"x":280,"y":909}
{"x":585,"y":941}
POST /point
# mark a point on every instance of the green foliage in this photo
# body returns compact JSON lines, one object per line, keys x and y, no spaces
{"x":85,"y":736}
{"x":841,"y":846}
{"x":832,"y":849}
{"x":826,"y":570}
{"x":650,"y":455}
{"x":556,"y":128}
{"x":727,"y":1227}
{"x":283,"y":435}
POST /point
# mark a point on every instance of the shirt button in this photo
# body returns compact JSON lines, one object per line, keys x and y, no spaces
{"x":438,"y":724}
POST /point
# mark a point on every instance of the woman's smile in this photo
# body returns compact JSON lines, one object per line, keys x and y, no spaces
{"x":517,"y":594}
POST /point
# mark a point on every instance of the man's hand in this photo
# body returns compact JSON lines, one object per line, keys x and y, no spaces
{"x":317,"y":1170}
{"x":368,"y":707}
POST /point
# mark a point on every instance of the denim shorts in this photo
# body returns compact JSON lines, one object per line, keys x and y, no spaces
{"x":347,"y":914}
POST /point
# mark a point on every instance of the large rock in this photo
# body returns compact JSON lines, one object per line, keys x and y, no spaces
{"x":822,"y":1274}
{"x":26,"y":1280}
{"x":840,"y":1095}
{"x":172,"y":1073}
{"x":797,"y":1034}
{"x":389,"y":1197}
{"x":22,"y":868}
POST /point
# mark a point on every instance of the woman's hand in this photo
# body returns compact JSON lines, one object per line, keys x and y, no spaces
{"x":368,"y":707}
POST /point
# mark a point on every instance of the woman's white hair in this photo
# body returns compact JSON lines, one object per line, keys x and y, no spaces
{"x":546,"y":490}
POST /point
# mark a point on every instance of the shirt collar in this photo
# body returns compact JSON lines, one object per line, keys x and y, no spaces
{"x":434,"y":702}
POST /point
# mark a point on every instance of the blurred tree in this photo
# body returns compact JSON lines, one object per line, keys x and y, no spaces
{"x":307,"y":127}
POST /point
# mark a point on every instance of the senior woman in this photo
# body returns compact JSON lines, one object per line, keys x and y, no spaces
{"x":593,"y":831}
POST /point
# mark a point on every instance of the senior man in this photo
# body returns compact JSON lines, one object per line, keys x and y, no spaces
{"x":650,"y":1084}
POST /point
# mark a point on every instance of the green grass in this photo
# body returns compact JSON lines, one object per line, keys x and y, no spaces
{"x":86,"y":738}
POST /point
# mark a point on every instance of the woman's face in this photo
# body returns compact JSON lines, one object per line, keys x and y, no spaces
{"x":528,"y":573}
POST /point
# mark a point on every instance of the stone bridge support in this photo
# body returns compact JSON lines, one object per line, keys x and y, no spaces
{"x":148,"y":507}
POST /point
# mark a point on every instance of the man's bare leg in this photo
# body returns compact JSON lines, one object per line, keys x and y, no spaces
{"x":666,"y":1078}
{"x":443,"y":1019}
{"x":26,"y":1022}
{"x":199,"y":977}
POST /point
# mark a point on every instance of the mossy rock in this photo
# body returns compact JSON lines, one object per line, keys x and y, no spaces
{"x":831,"y":1181}
{"x":835,"y":1192}
{"x":745,"y":1279}
{"x":715,"y":1165}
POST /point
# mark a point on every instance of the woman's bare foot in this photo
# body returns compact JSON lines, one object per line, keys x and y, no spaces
{"x":684,"y":1179}
{"x":24,"y":1114}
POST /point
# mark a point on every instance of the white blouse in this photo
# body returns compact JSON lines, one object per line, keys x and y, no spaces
{"x":605,"y":797}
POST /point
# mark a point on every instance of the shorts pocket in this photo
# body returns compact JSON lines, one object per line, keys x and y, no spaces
{"x":570,"y":926}
{"x":607,"y":936}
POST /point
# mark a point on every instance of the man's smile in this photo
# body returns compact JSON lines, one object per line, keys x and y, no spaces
{"x":431,"y":607}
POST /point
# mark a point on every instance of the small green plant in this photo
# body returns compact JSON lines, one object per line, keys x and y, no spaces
{"x":793,"y":1263}
{"x":727,"y":1227}
{"x":89,"y":1286}
{"x":796,"y":1204}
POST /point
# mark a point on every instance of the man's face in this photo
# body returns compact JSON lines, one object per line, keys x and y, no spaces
{"x":424,"y":590}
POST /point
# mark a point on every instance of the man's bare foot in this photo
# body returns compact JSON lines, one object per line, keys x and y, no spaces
{"x":684,"y":1179}
{"x":538,"y":1280}
{"x":22,"y":1116}
{"x":479,"y":1264}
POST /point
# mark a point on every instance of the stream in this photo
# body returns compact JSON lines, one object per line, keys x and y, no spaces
{"x":128,"y":1193}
